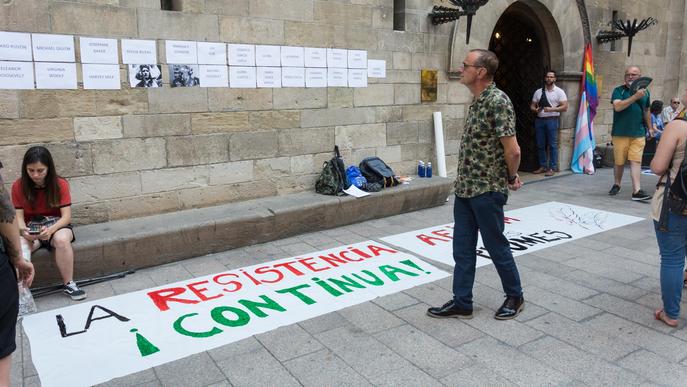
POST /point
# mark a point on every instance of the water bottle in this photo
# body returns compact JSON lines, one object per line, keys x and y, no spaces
{"x":27,"y":304}
{"x":428,"y":171}
{"x":421,"y":169}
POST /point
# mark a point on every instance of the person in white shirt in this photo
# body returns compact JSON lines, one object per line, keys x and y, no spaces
{"x":670,"y":111}
{"x":548,"y":106}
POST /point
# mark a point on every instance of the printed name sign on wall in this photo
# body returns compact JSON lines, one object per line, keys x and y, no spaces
{"x":95,"y":341}
{"x":15,"y":46}
{"x":528,"y":229}
{"x":16,"y":75}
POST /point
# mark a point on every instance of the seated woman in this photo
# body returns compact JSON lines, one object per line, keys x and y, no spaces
{"x":44,"y":212}
{"x":671,"y":243}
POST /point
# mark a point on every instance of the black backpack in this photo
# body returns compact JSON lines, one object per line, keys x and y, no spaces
{"x":376,"y":171}
{"x":332,"y":180}
{"x":675,"y":194}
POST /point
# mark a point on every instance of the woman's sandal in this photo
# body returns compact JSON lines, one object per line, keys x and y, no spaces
{"x":660,"y":315}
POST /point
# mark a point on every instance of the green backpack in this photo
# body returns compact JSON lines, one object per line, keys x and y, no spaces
{"x":332,"y":180}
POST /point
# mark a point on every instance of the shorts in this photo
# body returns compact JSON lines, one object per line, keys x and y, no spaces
{"x":627,"y":148}
{"x":9,"y":306}
{"x":48,"y":244}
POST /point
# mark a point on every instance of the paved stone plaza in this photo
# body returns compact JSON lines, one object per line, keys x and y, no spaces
{"x":587,"y":321}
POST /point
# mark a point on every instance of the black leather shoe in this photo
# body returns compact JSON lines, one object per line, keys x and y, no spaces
{"x":448,"y":310}
{"x":510,"y":308}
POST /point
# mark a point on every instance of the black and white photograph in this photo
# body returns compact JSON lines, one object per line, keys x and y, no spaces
{"x":145,"y":75}
{"x":183,"y":75}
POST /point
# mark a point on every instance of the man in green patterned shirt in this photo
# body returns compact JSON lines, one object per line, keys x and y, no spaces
{"x":488,"y":163}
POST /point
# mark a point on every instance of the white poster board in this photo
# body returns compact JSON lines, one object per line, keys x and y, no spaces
{"x":98,"y":50}
{"x":55,"y":75}
{"x":269,"y":77}
{"x":138,"y":51}
{"x":214,"y":76}
{"x":212,"y":53}
{"x":357,"y":59}
{"x":337,"y":77}
{"x":241,"y":55}
{"x":315,"y":77}
{"x":101,"y":76}
{"x":337,"y":57}
{"x":528,"y":229}
{"x":181,"y":52}
{"x":293,"y":76}
{"x":269,"y":56}
{"x":315,"y":57}
{"x":15,"y":46}
{"x":242,"y":77}
{"x":91,"y":342}
{"x":292,"y":56}
{"x":357,"y":77}
{"x":16,"y":75}
{"x":376,"y":68}
{"x":53,"y":48}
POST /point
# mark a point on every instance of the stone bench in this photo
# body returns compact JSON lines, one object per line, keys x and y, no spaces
{"x":116,"y":246}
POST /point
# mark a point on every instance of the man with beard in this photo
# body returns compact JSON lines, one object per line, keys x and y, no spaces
{"x":548,"y":102}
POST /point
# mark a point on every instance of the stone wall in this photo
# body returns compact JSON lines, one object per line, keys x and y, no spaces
{"x":135,"y":152}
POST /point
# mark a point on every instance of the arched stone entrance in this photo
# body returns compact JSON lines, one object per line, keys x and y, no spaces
{"x":519,"y":41}
{"x":562,"y":28}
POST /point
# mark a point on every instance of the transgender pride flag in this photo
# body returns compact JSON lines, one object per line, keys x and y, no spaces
{"x":583,"y":151}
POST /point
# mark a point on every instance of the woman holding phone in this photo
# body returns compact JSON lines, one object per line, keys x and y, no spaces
{"x":43,"y":203}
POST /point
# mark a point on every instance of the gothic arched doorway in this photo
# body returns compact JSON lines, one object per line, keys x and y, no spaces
{"x":519,"y":41}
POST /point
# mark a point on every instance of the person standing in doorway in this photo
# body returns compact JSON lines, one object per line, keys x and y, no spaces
{"x":489,"y":158}
{"x":631,"y":120}
{"x":548,"y":103}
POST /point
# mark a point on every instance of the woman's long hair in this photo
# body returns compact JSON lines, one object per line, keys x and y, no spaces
{"x":52,"y":189}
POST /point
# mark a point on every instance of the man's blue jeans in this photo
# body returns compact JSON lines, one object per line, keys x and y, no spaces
{"x":484,"y":213}
{"x":546,"y":131}
{"x":671,"y":245}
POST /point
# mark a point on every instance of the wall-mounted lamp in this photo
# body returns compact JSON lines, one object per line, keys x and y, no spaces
{"x":441,"y":14}
{"x":622,"y":30}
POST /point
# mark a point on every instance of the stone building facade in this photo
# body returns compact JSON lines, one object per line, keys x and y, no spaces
{"x":136,"y":152}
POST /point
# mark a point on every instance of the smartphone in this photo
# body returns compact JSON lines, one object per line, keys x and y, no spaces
{"x":34,"y":229}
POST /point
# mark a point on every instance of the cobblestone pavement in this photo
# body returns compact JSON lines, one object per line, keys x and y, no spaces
{"x":588,"y":318}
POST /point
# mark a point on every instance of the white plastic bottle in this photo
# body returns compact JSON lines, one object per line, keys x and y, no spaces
{"x":27,"y":304}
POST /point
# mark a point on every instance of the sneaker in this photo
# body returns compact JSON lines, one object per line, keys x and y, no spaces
{"x":614,"y":190}
{"x":549,"y":172}
{"x":540,"y":170}
{"x":510,"y":308}
{"x":74,"y":292}
{"x":640,"y":196}
{"x":449,"y":309}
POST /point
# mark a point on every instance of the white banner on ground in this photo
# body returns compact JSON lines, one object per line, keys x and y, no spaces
{"x":93,"y":342}
{"x":528,"y":229}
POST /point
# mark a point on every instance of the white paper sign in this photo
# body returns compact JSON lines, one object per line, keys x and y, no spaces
{"x":143,"y":329}
{"x":292,"y":56}
{"x":527,"y":229}
{"x":315,"y":77}
{"x":183,"y":75}
{"x":55,"y":75}
{"x":315,"y":57}
{"x":101,"y":76}
{"x":293,"y":76}
{"x":337,"y":77}
{"x":269,"y":77}
{"x":96,"y":50}
{"x":241,"y":55}
{"x":212,"y":53}
{"x":138,"y":51}
{"x":15,"y":46}
{"x":268,"y":56}
{"x":214,"y":76}
{"x":242,"y":77}
{"x":357,"y":77}
{"x":376,"y":68}
{"x":53,"y":48}
{"x":181,"y":52}
{"x":357,"y":59}
{"x":145,"y":75}
{"x":16,"y":75}
{"x":337,"y":57}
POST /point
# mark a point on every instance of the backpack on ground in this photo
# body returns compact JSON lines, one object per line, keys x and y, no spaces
{"x":332,"y":180}
{"x":376,"y":171}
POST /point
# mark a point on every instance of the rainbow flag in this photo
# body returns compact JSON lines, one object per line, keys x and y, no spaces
{"x":583,"y":150}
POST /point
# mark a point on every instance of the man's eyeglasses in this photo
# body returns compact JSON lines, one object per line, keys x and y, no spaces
{"x":674,"y":102}
{"x":471,"y":65}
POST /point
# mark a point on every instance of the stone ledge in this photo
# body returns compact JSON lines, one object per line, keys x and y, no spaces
{"x":111,"y":247}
